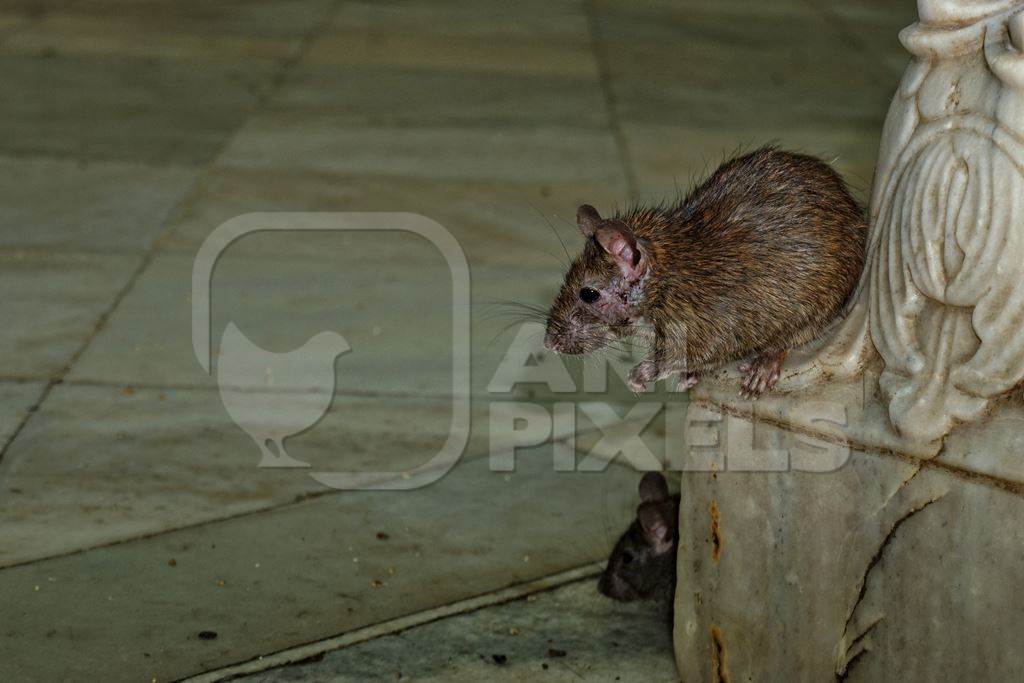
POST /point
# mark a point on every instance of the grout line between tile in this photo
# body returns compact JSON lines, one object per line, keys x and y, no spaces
{"x":297,"y":500}
{"x":144,"y":262}
{"x":610,"y":99}
{"x":340,"y":393}
{"x":58,"y":251}
{"x":295,"y":655}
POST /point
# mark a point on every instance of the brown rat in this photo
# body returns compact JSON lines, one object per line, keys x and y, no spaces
{"x":642,"y":565}
{"x":758,"y":259}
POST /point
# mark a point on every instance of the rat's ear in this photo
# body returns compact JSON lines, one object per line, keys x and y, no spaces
{"x":587,"y":220}
{"x":653,"y":488}
{"x":620,"y":243}
{"x":657,"y":528}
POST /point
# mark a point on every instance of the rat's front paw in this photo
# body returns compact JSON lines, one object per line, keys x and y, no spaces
{"x":641,"y":375}
{"x":687,"y":381}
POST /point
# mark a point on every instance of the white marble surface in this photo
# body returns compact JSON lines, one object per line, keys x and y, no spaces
{"x":800,"y":571}
{"x":902,"y":563}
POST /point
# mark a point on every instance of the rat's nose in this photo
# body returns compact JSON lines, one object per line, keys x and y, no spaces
{"x":551,"y":344}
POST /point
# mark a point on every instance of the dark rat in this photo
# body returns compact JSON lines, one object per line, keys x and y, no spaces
{"x":642,"y":565}
{"x":758,"y":259}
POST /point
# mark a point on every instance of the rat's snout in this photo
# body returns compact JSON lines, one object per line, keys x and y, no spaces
{"x":562,"y":343}
{"x":564,"y":337}
{"x":556,"y":337}
{"x":612,"y":586}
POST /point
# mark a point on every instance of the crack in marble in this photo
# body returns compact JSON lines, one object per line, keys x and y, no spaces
{"x":844,"y":660}
{"x":860,"y":647}
{"x":903,"y":485}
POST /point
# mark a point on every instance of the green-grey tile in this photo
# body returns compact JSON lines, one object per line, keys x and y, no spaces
{"x":129,"y":109}
{"x":495,"y":222}
{"x":269,"y":581}
{"x":602,"y":641}
{"x":103,"y":205}
{"x":325,"y":143}
{"x":100,"y":464}
{"x":16,"y":398}
{"x":51,"y":304}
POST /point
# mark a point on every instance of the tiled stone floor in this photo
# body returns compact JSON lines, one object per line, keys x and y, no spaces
{"x":132,"y":130}
{"x":523,"y":640}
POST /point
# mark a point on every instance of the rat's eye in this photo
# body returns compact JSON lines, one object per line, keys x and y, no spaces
{"x":627,"y":557}
{"x":589,"y":296}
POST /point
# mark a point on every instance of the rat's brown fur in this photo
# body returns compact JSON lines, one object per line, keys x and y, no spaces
{"x":758,"y":259}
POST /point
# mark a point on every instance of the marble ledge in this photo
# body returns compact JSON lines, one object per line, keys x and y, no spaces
{"x":851,"y":413}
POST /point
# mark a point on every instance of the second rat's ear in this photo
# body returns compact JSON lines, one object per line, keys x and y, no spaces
{"x":588,"y":220}
{"x":653,"y":488}
{"x":620,"y":243}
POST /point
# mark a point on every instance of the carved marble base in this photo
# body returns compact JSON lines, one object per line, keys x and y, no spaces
{"x":941,"y":304}
{"x":889,"y":569}
{"x":903,"y":564}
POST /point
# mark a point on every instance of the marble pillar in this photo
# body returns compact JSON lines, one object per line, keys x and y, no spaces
{"x":880,"y":536}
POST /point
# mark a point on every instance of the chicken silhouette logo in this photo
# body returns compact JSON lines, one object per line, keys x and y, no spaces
{"x":270,"y":417}
{"x":272,"y":396}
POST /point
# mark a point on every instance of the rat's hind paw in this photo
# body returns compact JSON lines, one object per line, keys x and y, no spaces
{"x":762,"y":374}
